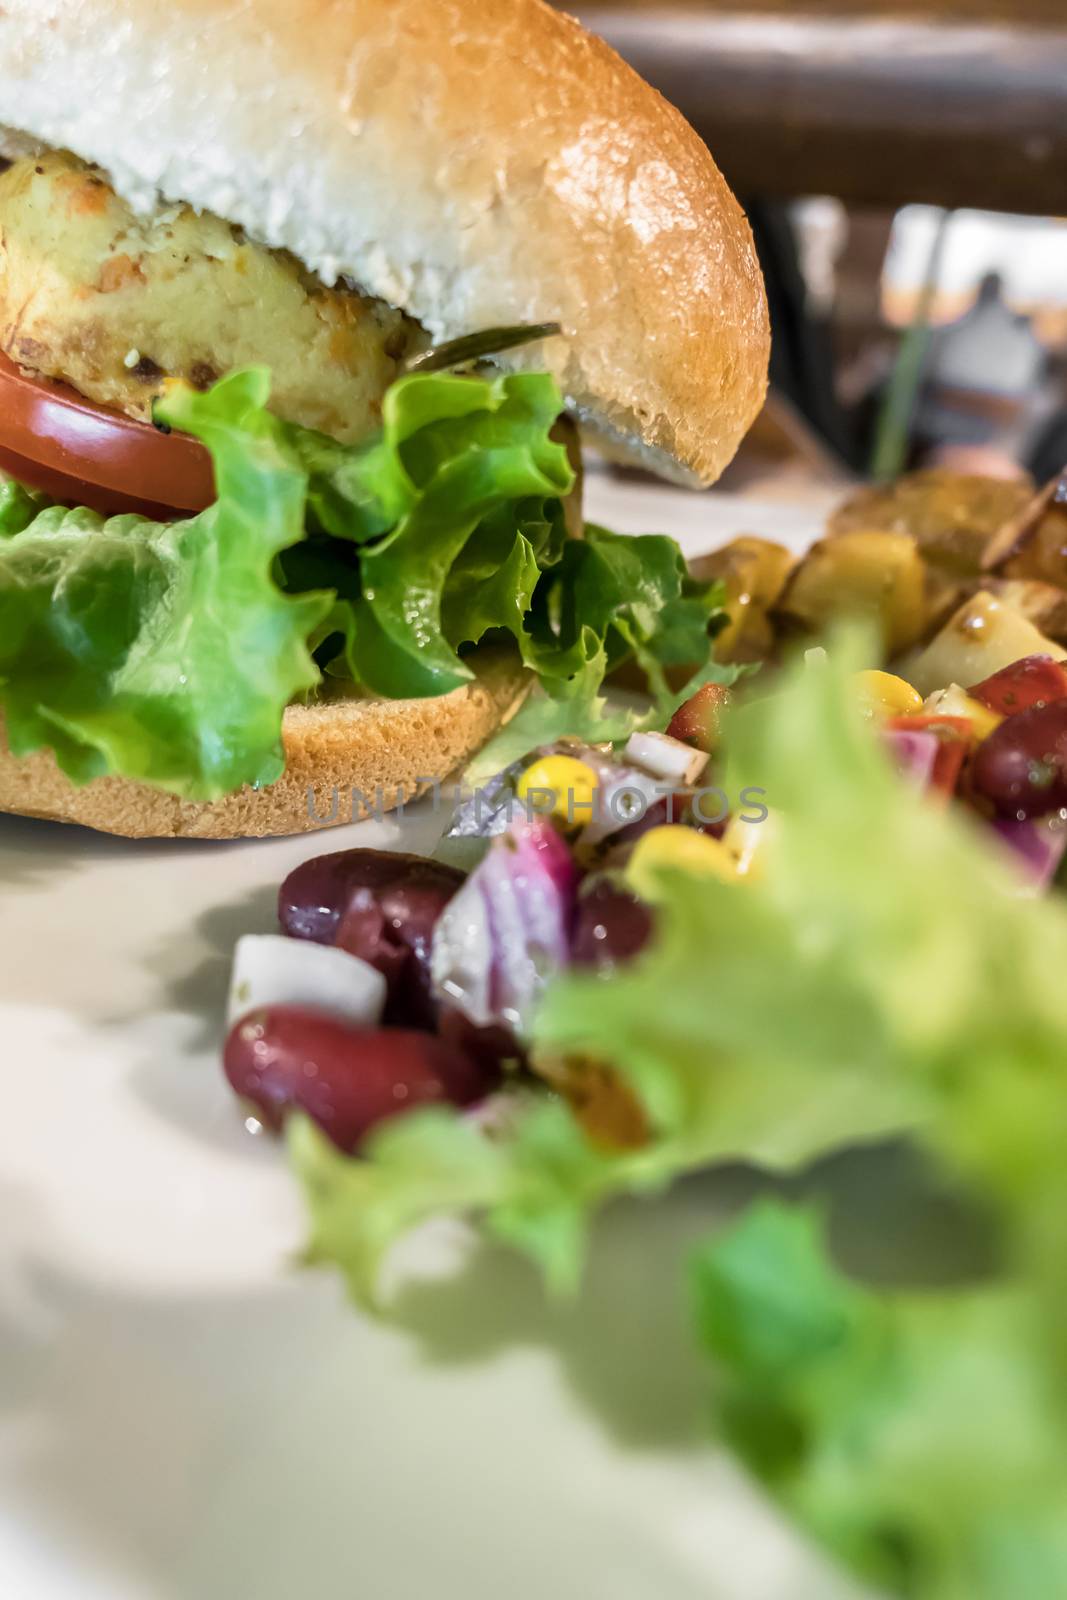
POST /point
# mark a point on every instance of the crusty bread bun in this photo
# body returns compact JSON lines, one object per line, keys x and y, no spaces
{"x":470,"y":162}
{"x":387,"y":751}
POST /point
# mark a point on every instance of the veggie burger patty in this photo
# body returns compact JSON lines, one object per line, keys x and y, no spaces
{"x":116,"y":303}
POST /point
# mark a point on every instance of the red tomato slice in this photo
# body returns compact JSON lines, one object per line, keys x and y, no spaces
{"x":51,"y":438}
{"x":1033,"y":681}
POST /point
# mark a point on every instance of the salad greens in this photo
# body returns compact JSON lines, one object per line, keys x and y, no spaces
{"x":613,"y":596}
{"x":866,"y":891}
{"x":883,"y":974}
{"x":677,"y":1024}
{"x":168,"y":652}
{"x":921,"y":1437}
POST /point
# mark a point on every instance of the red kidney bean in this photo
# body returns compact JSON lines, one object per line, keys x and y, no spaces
{"x":489,"y":1047}
{"x":1022,"y":766}
{"x":706,"y":809}
{"x":381,"y":906}
{"x":348,"y":1080}
{"x":612,"y":927}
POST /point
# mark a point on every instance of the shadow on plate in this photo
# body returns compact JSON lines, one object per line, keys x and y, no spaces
{"x":626,"y":1343}
{"x":270,"y":1443}
{"x":32,"y":850}
{"x":174,"y":1089}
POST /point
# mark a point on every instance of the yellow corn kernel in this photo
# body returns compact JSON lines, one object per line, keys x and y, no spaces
{"x":885,"y":695}
{"x":681,"y":849}
{"x":956,"y":702}
{"x":745,"y":844}
{"x":560,"y":786}
{"x":983,"y":719}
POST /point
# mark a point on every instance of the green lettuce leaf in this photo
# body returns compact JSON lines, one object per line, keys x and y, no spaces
{"x":922,"y":1438}
{"x":534,"y":1186}
{"x":610,"y":597}
{"x":18,"y":506}
{"x":168,"y":653}
{"x":884,"y":963}
{"x":164,"y":651}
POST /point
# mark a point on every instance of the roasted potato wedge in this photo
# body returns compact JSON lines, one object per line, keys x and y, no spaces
{"x":876,"y":576}
{"x":1033,"y":544}
{"x":982,"y":637}
{"x":1040,"y":603}
{"x":754,"y":573}
{"x":952,"y":518}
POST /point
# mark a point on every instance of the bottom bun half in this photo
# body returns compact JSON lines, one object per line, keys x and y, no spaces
{"x":344,"y":760}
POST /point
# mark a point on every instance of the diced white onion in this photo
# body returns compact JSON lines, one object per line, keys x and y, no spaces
{"x":666,"y":758}
{"x":270,"y":970}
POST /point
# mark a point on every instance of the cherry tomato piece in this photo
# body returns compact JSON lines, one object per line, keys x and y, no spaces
{"x":1033,"y":681}
{"x":955,"y":737}
{"x":697,"y":722}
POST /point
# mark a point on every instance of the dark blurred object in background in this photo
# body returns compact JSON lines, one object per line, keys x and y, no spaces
{"x":984,"y":374}
{"x":880,"y":102}
{"x":870,"y":106}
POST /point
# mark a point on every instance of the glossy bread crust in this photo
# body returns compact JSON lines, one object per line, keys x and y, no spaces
{"x":472,"y":162}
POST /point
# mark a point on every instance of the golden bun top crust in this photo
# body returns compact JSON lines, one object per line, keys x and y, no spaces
{"x":472,"y":162}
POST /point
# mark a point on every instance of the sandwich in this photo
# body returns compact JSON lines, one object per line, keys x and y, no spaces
{"x":304,"y":305}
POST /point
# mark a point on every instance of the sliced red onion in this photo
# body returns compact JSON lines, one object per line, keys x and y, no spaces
{"x":915,"y":754}
{"x":1039,"y":844}
{"x":508,"y":930}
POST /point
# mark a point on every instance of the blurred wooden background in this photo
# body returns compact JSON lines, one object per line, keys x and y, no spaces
{"x":880,"y":102}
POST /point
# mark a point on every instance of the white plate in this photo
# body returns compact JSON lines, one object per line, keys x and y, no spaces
{"x":185,"y":1415}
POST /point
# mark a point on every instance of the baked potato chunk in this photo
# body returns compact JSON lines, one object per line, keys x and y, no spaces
{"x":984,"y":636}
{"x":879,"y":577}
{"x":753,"y":572}
{"x":116,"y":304}
{"x":1033,"y":546}
{"x":1040,"y":603}
{"x":951,"y":517}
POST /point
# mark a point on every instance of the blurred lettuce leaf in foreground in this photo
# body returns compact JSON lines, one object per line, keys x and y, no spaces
{"x":920,"y":1437}
{"x":885,"y":974}
{"x":887,"y":949}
